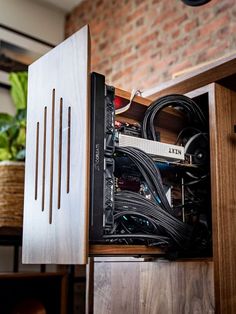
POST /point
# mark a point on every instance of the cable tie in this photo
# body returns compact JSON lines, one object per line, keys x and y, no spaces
{"x":135,"y":92}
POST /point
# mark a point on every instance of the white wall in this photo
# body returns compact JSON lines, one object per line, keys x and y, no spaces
{"x":6,"y":104}
{"x":33,"y":18}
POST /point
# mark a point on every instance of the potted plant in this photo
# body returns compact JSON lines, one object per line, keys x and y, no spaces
{"x":12,"y":154}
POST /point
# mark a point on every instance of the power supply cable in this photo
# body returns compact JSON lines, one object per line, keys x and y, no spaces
{"x":177,"y":101}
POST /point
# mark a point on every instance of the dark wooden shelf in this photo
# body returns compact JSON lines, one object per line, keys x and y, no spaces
{"x":30,"y":275}
{"x":10,"y":236}
{"x":10,"y":231}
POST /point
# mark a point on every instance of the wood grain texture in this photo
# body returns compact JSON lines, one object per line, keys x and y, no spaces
{"x":137,"y":99}
{"x":58,"y":236}
{"x":130,"y":250}
{"x":223,"y":166}
{"x":89,"y":286}
{"x":153,"y":287}
{"x":219,"y":70}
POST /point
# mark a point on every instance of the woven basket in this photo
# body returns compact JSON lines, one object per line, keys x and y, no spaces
{"x":11,"y":193}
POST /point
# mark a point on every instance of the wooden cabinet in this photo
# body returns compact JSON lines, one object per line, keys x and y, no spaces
{"x":220,"y":99}
{"x":56,"y":219}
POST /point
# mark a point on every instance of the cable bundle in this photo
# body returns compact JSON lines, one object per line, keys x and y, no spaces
{"x":192,"y":110}
{"x":150,"y":173}
{"x":166,"y":229}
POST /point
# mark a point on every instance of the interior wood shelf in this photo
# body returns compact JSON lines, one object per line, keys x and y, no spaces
{"x":123,"y":250}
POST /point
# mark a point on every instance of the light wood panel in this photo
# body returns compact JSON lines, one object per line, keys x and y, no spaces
{"x":57,"y":155}
{"x":223,"y":168}
{"x":153,"y":287}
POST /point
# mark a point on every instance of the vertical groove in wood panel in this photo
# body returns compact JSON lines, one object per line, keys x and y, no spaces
{"x":52,"y":157}
{"x":68,"y":150}
{"x":44,"y":155}
{"x":36,"y":162}
{"x":60,"y":155}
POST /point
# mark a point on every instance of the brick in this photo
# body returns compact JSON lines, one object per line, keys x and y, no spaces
{"x":121,"y":73}
{"x":140,"y":21}
{"x":197,"y":47}
{"x":224,"y":6}
{"x":191,"y":25}
{"x":177,"y":44}
{"x":130,"y":59}
{"x":212,"y":53}
{"x":220,"y":21}
{"x":161,"y":18}
{"x":120,"y":54}
{"x":181,"y":66}
{"x":134,"y":15}
{"x":176,"y":22}
{"x":103,"y":45}
{"x":150,"y":37}
{"x":175,"y":33}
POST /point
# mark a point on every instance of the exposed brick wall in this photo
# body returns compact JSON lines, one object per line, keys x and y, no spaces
{"x":140,"y":43}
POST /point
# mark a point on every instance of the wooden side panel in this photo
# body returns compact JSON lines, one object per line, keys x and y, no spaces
{"x":57,"y":155}
{"x":153,"y":287}
{"x":223,"y":166}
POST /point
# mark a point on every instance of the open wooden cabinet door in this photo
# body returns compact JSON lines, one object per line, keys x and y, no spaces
{"x":56,"y":206}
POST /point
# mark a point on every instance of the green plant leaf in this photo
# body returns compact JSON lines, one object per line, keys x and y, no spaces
{"x":21,"y":115}
{"x":4,"y":140}
{"x":14,"y":151}
{"x":13,"y":132}
{"x":6,"y":117}
{"x":20,"y":140}
{"x":20,"y":155}
{"x":18,"y":82}
{"x":13,"y":128}
{"x":5,"y":154}
{"x":6,"y":122}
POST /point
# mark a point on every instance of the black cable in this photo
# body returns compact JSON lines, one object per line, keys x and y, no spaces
{"x":152,"y":221}
{"x":164,"y":240}
{"x":131,"y":203}
{"x":149,"y":172}
{"x":193,"y":111}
